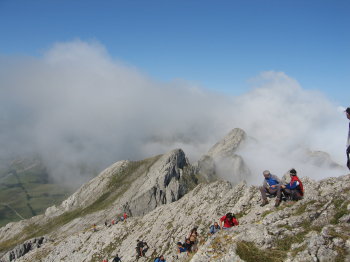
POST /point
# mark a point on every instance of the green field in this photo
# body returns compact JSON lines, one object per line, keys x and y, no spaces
{"x":26,"y":190}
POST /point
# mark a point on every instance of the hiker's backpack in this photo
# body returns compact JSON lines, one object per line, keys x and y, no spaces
{"x":301,"y":188}
{"x":156,"y":259}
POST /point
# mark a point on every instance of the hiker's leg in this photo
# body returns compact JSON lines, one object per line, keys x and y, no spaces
{"x":278,"y":192}
{"x":295,"y":195}
{"x":263,"y":191}
{"x":272,"y":191}
{"x":288,"y":193}
{"x":348,"y":157}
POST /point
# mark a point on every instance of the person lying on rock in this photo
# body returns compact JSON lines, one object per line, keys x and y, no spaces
{"x":229,"y":220}
{"x":141,"y":248}
{"x":294,"y":190}
{"x":180,"y":248}
{"x":214,"y":228}
{"x":271,"y":185}
{"x":160,"y":259}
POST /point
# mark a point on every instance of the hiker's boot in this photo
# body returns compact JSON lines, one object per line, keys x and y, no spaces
{"x":264,"y":203}
{"x":278,"y":202}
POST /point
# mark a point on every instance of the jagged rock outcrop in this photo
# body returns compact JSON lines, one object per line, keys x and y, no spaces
{"x":23,"y":249}
{"x":163,"y":183}
{"x":221,"y":161}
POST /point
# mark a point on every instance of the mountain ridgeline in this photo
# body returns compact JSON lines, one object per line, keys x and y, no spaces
{"x":166,"y":196}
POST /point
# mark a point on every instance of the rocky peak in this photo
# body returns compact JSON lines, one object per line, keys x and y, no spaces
{"x":221,"y":161}
{"x":164,"y":182}
{"x":227,"y":146}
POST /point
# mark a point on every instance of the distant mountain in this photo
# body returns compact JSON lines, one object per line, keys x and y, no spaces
{"x":166,"y":196}
{"x":26,"y":190}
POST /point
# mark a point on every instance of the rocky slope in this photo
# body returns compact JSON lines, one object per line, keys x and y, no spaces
{"x":316,"y":228}
{"x":162,"y":195}
{"x":132,"y":187}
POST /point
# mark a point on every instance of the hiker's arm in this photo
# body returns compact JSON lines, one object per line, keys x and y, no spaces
{"x":265,"y":184}
{"x":294,"y":185}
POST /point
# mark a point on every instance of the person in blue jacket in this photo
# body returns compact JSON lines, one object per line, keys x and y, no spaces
{"x":271,"y":185}
{"x":214,"y":228}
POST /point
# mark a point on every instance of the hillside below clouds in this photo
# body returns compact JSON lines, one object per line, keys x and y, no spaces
{"x":26,"y":190}
{"x":166,"y":196}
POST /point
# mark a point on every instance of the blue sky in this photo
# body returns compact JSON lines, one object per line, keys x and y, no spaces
{"x":217,"y":44}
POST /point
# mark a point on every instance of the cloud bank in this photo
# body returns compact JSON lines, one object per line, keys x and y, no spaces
{"x":80,"y":110}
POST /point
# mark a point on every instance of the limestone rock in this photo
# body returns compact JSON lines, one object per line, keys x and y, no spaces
{"x":221,"y":161}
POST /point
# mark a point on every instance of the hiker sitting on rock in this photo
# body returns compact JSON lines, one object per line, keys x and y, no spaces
{"x":271,"y":185}
{"x":229,"y":220}
{"x":214,"y":228}
{"x":188,"y":245}
{"x":141,"y":248}
{"x":116,"y":259}
{"x":193,"y":237}
{"x":294,"y":190}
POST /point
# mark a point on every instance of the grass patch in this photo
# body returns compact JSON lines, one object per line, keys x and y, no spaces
{"x":336,"y":234}
{"x":342,"y":253}
{"x":288,"y":227}
{"x":250,"y":253}
{"x":169,"y":225}
{"x":285,"y":243}
{"x":341,"y":210}
{"x":301,"y":209}
{"x":265,"y":213}
{"x":295,"y":251}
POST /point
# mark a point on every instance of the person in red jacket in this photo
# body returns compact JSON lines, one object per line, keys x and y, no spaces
{"x":229,"y":221}
{"x":295,"y":189}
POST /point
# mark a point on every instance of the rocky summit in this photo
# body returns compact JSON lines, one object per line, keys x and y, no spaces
{"x":165,"y":197}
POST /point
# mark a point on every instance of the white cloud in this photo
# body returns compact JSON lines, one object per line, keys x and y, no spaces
{"x":77,"y":107}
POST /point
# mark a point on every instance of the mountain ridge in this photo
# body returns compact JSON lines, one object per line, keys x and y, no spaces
{"x":168,"y":196}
